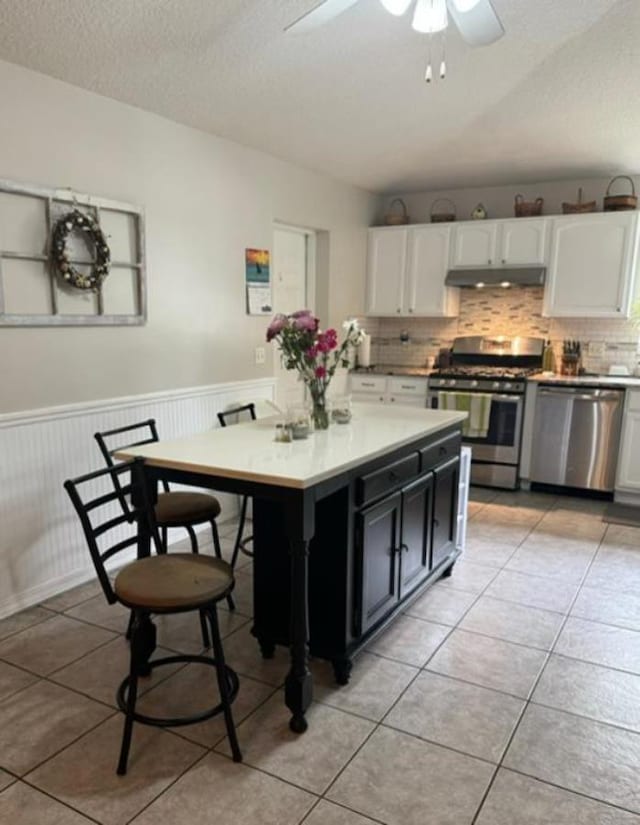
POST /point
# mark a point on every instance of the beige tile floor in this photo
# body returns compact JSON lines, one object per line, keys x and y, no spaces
{"x":508,"y":694}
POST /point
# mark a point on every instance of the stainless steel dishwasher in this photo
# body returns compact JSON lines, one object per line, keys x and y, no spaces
{"x":576,"y":434}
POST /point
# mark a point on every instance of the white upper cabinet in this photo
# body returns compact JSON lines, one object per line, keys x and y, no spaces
{"x":475,"y":244}
{"x":427,"y":264}
{"x":406,"y":269}
{"x":523,"y":241}
{"x":592,"y":265}
{"x":386,"y":265}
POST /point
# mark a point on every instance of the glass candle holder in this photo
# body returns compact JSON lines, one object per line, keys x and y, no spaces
{"x":299,"y":422}
{"x":341,"y":409}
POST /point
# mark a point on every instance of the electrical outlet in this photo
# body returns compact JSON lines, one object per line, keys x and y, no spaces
{"x":261,"y":355}
{"x":596,"y":349}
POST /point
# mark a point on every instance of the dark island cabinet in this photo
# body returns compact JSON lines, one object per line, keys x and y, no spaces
{"x":382,"y":535}
{"x":445,"y":510}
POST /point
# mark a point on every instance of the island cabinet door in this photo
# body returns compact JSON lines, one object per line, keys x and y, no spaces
{"x":417,"y":504}
{"x":445,"y":505}
{"x":377,"y":544}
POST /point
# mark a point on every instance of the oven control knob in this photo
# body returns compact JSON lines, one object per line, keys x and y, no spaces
{"x":474,"y":383}
{"x":452,"y":382}
{"x":496,"y":385}
{"x":508,"y":386}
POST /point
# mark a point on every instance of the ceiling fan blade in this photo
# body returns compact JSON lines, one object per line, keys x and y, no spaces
{"x":479,"y":26}
{"x":320,"y":14}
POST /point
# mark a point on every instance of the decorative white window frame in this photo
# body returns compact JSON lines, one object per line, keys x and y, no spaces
{"x":54,"y":200}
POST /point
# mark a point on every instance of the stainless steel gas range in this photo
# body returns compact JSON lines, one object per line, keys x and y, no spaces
{"x":497,"y":368}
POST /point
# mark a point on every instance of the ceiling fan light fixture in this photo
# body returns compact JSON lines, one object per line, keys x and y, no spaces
{"x":465,"y":5}
{"x":430,"y":16}
{"x":396,"y":7}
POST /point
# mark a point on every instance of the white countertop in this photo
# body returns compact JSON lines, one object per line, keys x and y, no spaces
{"x":248,"y":451}
{"x":588,"y":380}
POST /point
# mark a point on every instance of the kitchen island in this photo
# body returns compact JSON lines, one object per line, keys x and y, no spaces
{"x":349,"y":524}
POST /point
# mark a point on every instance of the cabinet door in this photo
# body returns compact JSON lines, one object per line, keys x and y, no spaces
{"x":628,"y":475}
{"x":416,"y":533}
{"x":386,"y":265}
{"x":428,"y":261}
{"x":592,"y":265}
{"x":445,"y":510}
{"x":523,"y":241}
{"x":474,"y":244}
{"x":378,"y":542}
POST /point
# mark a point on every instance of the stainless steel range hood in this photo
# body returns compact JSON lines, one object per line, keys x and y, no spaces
{"x":504,"y":276}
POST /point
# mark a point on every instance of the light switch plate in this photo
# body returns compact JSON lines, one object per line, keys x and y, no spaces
{"x":596,"y":349}
{"x":260,"y":355}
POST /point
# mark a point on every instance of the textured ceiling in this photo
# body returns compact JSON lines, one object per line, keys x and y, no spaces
{"x":556,"y":97}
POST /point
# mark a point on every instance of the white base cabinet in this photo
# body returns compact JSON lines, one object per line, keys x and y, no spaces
{"x":592,"y":265}
{"x":389,"y":389}
{"x":628,"y":473}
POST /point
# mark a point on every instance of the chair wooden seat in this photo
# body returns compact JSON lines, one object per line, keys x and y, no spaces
{"x":176,"y":509}
{"x":173,"y":581}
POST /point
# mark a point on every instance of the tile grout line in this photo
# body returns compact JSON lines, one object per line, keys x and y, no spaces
{"x":528,"y":701}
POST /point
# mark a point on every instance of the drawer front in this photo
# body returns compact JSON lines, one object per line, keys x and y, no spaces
{"x":369,"y":383}
{"x":387,"y":478}
{"x":440,"y":451}
{"x":409,"y":386}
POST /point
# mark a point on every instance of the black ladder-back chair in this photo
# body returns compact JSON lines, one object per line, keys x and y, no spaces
{"x":174,"y":509}
{"x":165,"y":583}
{"x":240,"y":543}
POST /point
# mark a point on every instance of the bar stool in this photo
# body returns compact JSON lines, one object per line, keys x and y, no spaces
{"x":174,"y":509}
{"x":166,"y":583}
{"x":240,"y":543}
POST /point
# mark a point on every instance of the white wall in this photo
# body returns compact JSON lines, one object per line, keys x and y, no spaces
{"x":498,"y":200}
{"x":206,"y":199}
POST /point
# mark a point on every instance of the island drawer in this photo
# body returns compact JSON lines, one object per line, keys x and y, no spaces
{"x":440,"y":451}
{"x":387,"y":478}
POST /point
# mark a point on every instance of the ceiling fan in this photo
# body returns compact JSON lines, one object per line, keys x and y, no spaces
{"x":476,"y":20}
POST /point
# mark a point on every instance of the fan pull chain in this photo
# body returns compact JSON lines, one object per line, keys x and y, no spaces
{"x":428,"y":75}
{"x":443,"y":64}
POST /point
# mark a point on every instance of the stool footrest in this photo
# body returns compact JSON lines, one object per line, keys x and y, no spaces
{"x":174,"y":722}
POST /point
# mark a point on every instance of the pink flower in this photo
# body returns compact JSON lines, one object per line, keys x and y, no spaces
{"x":327,"y":340}
{"x":320,"y":372}
{"x":312,"y":352}
{"x":276,"y":326}
{"x":304,"y":322}
{"x":300,"y":313}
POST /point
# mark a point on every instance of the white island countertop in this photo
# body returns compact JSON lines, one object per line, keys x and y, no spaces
{"x":249,"y":451}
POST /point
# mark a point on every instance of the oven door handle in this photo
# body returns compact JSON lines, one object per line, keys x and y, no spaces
{"x":515,"y":399}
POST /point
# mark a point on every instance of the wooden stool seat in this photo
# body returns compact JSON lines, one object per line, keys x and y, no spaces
{"x":177,"y":508}
{"x":173,"y":582}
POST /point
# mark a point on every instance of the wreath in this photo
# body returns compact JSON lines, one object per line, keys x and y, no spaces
{"x":76,"y":221}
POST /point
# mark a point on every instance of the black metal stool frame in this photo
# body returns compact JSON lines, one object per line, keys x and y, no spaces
{"x":152,"y":438}
{"x":143,"y":631}
{"x":240,"y":542}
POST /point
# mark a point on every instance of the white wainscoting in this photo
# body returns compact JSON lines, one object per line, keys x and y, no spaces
{"x":42,"y":550}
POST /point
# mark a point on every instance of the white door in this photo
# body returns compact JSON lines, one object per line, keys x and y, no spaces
{"x":386,"y":264}
{"x":592,"y":265}
{"x":523,"y":241}
{"x":290,"y":285}
{"x":428,"y":261}
{"x":474,"y":244}
{"x":628,"y":475}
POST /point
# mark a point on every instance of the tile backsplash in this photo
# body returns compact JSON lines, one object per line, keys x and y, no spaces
{"x":510,"y":312}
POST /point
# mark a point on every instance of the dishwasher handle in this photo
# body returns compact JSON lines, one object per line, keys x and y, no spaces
{"x":584,"y":395}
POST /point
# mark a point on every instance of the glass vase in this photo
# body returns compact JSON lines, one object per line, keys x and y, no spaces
{"x":319,"y":410}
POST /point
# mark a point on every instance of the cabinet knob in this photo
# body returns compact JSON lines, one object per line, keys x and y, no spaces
{"x":489,"y":261}
{"x":392,"y":399}
{"x":504,"y":260}
{"x":410,"y":309}
{"x":382,"y":397}
{"x":398,"y":310}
